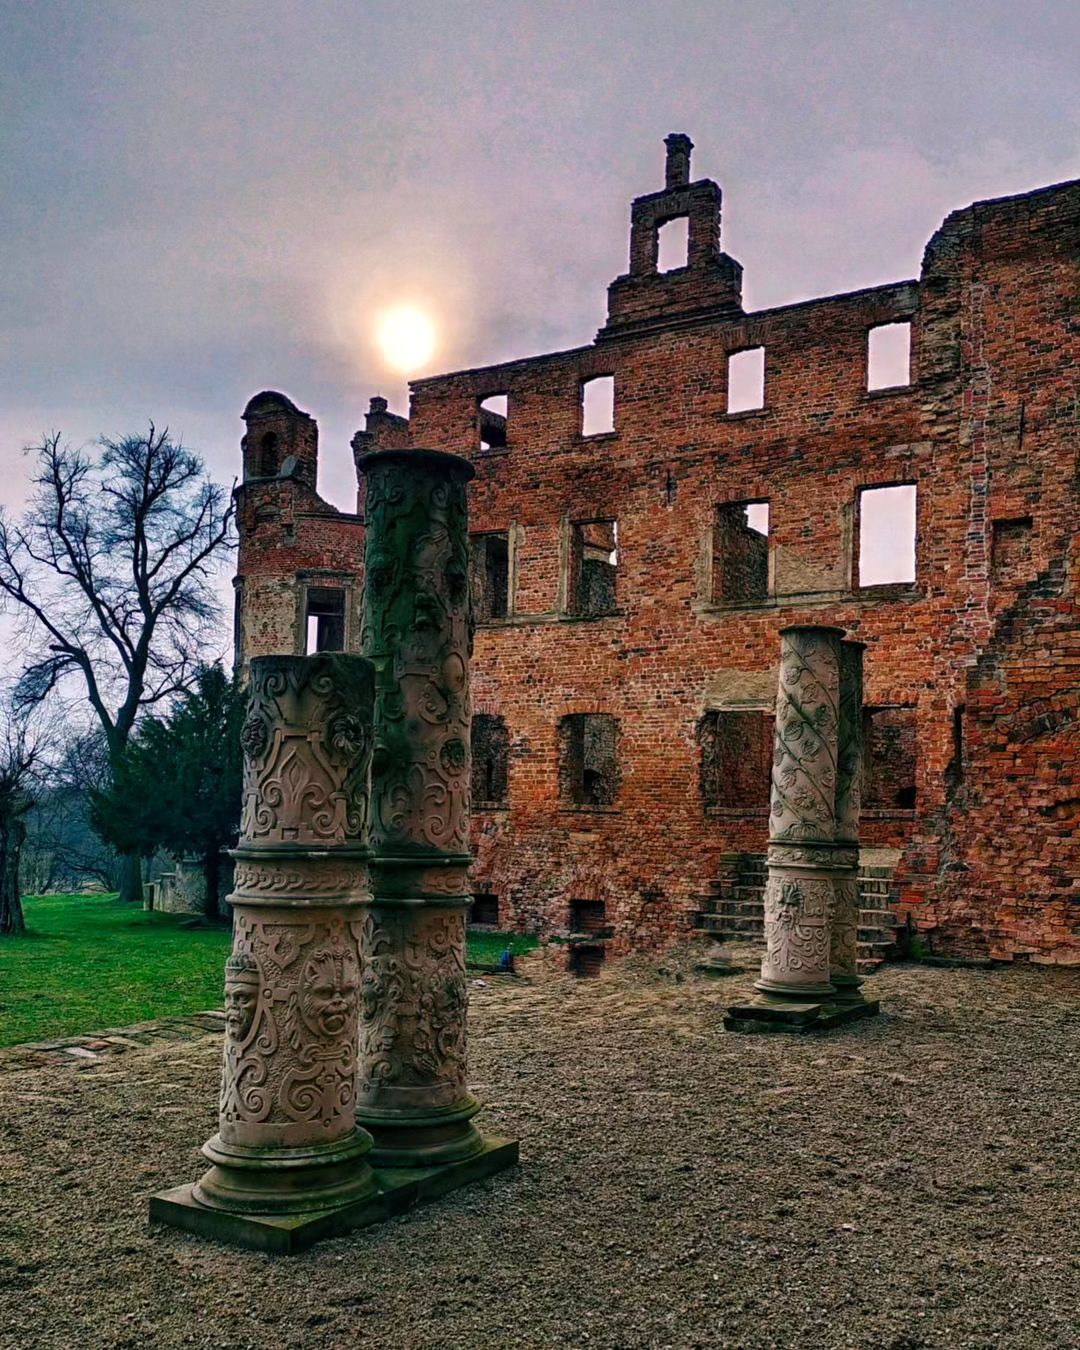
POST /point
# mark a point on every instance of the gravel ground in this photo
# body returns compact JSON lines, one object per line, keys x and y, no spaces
{"x":904,"y":1183}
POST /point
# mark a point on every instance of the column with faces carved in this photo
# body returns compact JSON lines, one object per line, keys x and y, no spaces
{"x":288,"y":1144}
{"x":417,"y":632}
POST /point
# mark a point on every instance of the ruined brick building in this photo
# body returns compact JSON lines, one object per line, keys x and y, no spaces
{"x":651,"y":508}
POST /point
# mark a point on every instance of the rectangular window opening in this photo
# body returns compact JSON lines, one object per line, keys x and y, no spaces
{"x":594,"y":567}
{"x":489,"y":576}
{"x":1010,"y":549}
{"x":324,"y":619}
{"x":887,"y":518}
{"x":888,"y":356}
{"x":746,"y":380}
{"x":740,"y":555}
{"x":736,"y":759}
{"x":484,"y":910}
{"x":238,"y":619}
{"x":587,"y":916}
{"x":673,"y":244}
{"x":588,"y":759}
{"x":490,"y":760}
{"x":598,"y":405}
{"x":494,"y":410}
{"x":889,"y":759}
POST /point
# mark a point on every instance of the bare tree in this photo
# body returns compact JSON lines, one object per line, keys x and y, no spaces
{"x":111,"y":569}
{"x":24,"y":742}
{"x":63,"y":851}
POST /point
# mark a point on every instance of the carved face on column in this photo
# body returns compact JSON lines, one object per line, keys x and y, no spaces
{"x":241,"y":996}
{"x":329,"y":992}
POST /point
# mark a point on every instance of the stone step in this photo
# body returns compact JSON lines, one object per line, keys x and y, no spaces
{"x":740,"y":927}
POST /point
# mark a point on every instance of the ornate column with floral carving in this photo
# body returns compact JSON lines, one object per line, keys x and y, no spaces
{"x":804,"y":855}
{"x":288,"y":1146}
{"x":417,"y":632}
{"x":802,"y":817}
{"x":843,"y":959}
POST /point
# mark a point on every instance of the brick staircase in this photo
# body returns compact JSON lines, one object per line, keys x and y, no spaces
{"x":733,"y":909}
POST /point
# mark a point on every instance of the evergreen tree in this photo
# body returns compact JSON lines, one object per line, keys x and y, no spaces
{"x":179,"y":785}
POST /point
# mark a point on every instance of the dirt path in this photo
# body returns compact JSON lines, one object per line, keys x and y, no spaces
{"x":909,"y":1182}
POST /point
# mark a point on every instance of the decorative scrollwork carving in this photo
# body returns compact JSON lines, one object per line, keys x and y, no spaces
{"x":417,"y":629}
{"x":307,"y":746}
{"x":802,"y":835}
{"x":292,"y":998}
{"x":415,"y":999}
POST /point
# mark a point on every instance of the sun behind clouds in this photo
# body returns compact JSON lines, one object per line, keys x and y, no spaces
{"x":406,"y":338}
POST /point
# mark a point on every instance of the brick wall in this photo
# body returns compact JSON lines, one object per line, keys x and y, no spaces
{"x":987,"y":432}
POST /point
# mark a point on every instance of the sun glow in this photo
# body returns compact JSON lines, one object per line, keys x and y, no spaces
{"x":406,"y":338}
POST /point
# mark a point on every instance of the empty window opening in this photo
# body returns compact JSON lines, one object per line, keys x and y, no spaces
{"x":746,"y":380}
{"x":736,"y":759}
{"x":594,"y":567}
{"x":586,"y":962}
{"x":324,"y":625}
{"x":587,"y":916}
{"x":598,"y":405}
{"x":493,"y":415}
{"x":269,"y":458}
{"x":588,"y":759}
{"x":741,"y":554}
{"x":1010,"y":549}
{"x":887,"y":535}
{"x":490,"y":760}
{"x":489,"y":576}
{"x":889,"y":759}
{"x":673,"y":244}
{"x":238,"y":620}
{"x":484,"y":910}
{"x":888,"y":356}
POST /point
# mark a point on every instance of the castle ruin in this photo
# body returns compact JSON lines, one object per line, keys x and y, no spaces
{"x":651,"y":509}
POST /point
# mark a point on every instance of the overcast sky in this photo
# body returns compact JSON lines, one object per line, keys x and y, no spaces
{"x":204,"y":198}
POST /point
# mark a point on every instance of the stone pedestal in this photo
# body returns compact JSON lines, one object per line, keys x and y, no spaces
{"x":417,"y":632}
{"x":809,"y":857}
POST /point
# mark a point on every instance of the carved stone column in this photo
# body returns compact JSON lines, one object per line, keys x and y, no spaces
{"x":288,"y":1146}
{"x":811,"y":896}
{"x":802,"y":818}
{"x":417,"y":632}
{"x":794,"y":987}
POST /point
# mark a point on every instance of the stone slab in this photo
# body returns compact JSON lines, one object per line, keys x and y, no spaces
{"x":794,"y":1018}
{"x":400,"y":1189}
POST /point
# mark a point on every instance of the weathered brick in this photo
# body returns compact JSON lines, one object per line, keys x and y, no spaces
{"x":975,"y":663}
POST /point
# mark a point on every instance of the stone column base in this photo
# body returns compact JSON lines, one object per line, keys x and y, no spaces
{"x":849,"y":992}
{"x":411,"y":1138}
{"x":396,"y":1189}
{"x":248,"y":1180}
{"x":789,"y":1015}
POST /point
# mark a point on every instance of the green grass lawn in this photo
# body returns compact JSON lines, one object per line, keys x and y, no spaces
{"x":90,"y":962}
{"x":486,"y":948}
